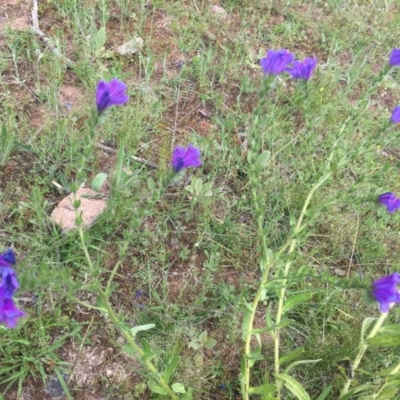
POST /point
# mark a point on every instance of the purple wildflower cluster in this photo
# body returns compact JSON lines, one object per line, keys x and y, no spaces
{"x":9,"y":312}
{"x":278,"y":61}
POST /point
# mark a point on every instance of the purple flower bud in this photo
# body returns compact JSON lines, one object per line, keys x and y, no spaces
{"x":110,"y":93}
{"x":385,"y":291}
{"x":395,"y":118}
{"x":276,"y":61}
{"x":390,"y":201}
{"x":7,"y":258}
{"x":394,"y":59}
{"x":9,"y":283}
{"x":9,"y":312}
{"x":303,"y":69}
{"x":185,"y":158}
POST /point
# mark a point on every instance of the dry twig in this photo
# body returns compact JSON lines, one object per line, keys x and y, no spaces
{"x":134,"y":158}
{"x":42,"y":35}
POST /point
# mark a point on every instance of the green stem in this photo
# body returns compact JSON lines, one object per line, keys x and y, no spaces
{"x":265,"y":267}
{"x":362,"y":350}
{"x":114,"y":318}
{"x":281,"y":294}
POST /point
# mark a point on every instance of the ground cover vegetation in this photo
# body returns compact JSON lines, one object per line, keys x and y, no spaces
{"x":249,"y":246}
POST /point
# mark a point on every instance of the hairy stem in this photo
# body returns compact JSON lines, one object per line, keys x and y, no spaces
{"x":114,"y":318}
{"x":292,"y":246}
{"x":362,"y":349}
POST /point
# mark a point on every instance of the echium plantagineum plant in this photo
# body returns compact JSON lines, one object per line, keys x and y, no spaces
{"x":110,"y":94}
{"x":278,"y":264}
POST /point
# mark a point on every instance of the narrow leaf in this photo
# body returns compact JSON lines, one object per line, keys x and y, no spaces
{"x":100,"y":38}
{"x":291,"y":355}
{"x":294,"y":386}
{"x":325,"y":393}
{"x":171,"y":368}
{"x":301,"y":362}
{"x":390,"y":329}
{"x":140,"y":328}
{"x":385,"y":340}
{"x":365,"y":325}
{"x":198,"y":186}
{"x":293,"y":301}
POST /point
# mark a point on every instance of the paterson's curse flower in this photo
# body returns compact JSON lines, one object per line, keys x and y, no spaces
{"x":303,"y":69}
{"x":394,"y":59}
{"x":276,"y":61}
{"x":110,"y":93}
{"x":185,"y":158}
{"x":390,"y":201}
{"x":9,"y":283}
{"x":395,"y":118}
{"x":385,"y":291}
{"x":9,"y":312}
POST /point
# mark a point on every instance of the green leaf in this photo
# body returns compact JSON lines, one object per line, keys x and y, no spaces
{"x":198,"y":186}
{"x":63,"y":384}
{"x":293,"y":386}
{"x":171,"y":368}
{"x":210,"y":343}
{"x":264,"y":389}
{"x":325,"y":393}
{"x":291,"y":355}
{"x":254,"y":356}
{"x":100,"y":38}
{"x":178,"y":388}
{"x":283,"y":324}
{"x":301,"y":362}
{"x":245,"y":323}
{"x":151,"y":184}
{"x":365,"y":325}
{"x":203,"y":337}
{"x":384,"y":340}
{"x":156,"y":388}
{"x":98,"y":181}
{"x":263,"y":158}
{"x":140,"y":328}
{"x":357,"y":389}
{"x":145,"y":345}
{"x":23,"y":147}
{"x":7,"y":145}
{"x":390,"y":329}
{"x":293,"y":301}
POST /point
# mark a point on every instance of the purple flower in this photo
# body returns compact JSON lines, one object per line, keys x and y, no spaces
{"x":185,"y":158}
{"x":385,"y":291}
{"x":276,"y":62}
{"x":7,"y":258}
{"x":390,"y":201}
{"x":8,"y":284}
{"x":9,"y":312}
{"x":303,"y":69}
{"x":110,"y":93}
{"x":395,"y":118}
{"x":394,"y":59}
